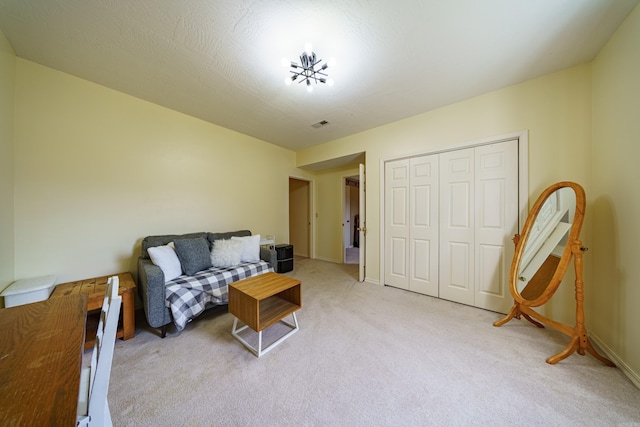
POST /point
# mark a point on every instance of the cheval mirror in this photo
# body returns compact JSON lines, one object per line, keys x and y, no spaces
{"x":549,"y":240}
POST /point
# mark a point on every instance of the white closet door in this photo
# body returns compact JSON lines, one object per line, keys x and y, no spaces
{"x":496,"y":213}
{"x":457,"y":222}
{"x":423,"y":230}
{"x":396,"y":216}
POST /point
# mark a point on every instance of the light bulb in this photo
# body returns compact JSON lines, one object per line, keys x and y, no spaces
{"x":285,"y":62}
{"x":287,"y":81}
{"x":332,"y":62}
{"x":329,"y":82}
{"x":308,"y":48}
{"x":309,"y":88}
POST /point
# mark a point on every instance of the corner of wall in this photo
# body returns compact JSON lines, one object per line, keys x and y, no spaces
{"x":7,"y":107}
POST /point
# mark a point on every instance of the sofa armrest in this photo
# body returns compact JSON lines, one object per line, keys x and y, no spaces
{"x":152,"y":293}
{"x":270,"y":256}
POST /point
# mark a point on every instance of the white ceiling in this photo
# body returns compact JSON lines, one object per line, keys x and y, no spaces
{"x":219,"y":60}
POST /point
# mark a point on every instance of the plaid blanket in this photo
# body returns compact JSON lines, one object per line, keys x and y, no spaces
{"x":188,"y":296}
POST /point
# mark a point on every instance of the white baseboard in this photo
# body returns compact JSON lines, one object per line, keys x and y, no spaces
{"x":633,"y":376}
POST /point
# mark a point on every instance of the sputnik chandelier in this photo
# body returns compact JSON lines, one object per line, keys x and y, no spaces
{"x":309,"y":70}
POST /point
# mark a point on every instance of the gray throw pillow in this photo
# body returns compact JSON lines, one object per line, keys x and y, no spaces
{"x":194,"y":254}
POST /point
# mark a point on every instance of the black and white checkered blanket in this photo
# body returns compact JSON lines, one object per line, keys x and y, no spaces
{"x":188,"y":296}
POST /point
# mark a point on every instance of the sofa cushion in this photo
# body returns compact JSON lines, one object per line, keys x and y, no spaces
{"x":212,"y":237}
{"x":166,"y":258}
{"x":193,"y":254}
{"x":226,"y":253}
{"x":151,"y":241}
{"x":250,"y":248}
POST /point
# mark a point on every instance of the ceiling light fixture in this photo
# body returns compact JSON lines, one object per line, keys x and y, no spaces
{"x":306,"y":71}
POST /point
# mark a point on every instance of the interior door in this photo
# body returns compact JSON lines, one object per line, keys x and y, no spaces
{"x":362,"y":229}
{"x":457,"y":222}
{"x":396,"y":214}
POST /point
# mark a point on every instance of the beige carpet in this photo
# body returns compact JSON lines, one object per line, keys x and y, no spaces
{"x":365,"y":355}
{"x":353,"y":256}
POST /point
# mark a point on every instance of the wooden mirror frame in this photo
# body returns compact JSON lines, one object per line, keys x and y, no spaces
{"x":543,"y":293}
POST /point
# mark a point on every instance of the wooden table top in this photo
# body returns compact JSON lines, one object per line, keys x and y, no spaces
{"x":95,"y":288}
{"x":41,"y":346}
{"x":264,"y":285}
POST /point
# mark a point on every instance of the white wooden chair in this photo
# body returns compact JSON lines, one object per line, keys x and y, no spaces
{"x":93,"y":409}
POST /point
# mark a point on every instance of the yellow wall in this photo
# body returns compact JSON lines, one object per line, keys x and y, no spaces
{"x":614,"y":293}
{"x":97,"y":170}
{"x":556,"y":111}
{"x":7,"y":84}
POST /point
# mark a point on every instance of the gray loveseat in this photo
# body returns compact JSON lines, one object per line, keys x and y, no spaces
{"x":204,"y":288}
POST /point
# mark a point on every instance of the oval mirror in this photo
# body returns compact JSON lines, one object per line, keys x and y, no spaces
{"x":542,"y":253}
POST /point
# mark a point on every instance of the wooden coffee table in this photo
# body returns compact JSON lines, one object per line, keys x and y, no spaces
{"x":95,"y":288}
{"x":262,"y":301}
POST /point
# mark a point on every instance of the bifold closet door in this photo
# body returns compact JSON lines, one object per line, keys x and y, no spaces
{"x":457,"y":222}
{"x":411,"y":224}
{"x":449,"y":221}
{"x":478,"y":218}
{"x":396,"y":214}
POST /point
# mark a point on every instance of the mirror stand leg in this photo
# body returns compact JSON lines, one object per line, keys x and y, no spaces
{"x":580,"y":331}
{"x":538,"y":324}
{"x":577,"y":345}
{"x":568,"y":351}
{"x":514,"y":312}
{"x":598,"y":356}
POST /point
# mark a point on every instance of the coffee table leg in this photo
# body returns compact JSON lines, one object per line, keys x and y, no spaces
{"x":235,"y":330}
{"x":294,"y":329}
{"x":259,"y":351}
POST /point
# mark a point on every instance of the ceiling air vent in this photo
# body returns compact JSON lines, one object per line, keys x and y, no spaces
{"x":320,"y":124}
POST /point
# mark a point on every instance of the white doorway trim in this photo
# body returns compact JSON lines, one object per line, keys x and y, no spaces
{"x":523,"y":178}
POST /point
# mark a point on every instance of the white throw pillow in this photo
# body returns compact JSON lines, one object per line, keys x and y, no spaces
{"x":165,"y":257}
{"x":226,"y":253}
{"x":250,"y":248}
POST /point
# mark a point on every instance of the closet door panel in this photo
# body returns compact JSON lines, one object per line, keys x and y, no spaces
{"x":496,"y":188}
{"x":457,"y":222}
{"x":423,"y":229}
{"x":397,"y":223}
{"x":398,"y":259}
